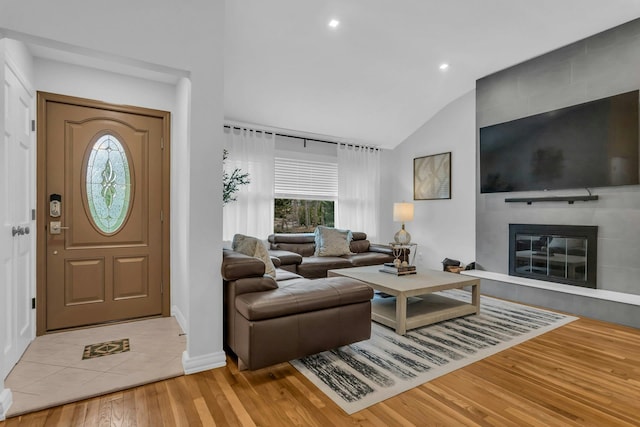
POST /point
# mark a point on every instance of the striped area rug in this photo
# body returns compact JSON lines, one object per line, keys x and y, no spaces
{"x":362,"y":374}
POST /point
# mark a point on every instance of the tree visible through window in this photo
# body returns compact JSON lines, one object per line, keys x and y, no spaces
{"x":302,"y":216}
{"x":305,"y":194}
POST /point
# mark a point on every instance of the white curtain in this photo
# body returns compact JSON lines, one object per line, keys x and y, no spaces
{"x":252,"y":213}
{"x":358,"y":189}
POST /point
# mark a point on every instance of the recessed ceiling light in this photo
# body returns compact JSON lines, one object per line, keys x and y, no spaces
{"x":334,"y":23}
{"x":444,"y":66}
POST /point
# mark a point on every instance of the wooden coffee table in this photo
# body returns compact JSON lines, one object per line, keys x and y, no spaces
{"x":410,"y":302}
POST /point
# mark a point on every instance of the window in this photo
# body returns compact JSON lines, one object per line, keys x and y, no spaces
{"x":305,"y":195}
{"x":108,"y":184}
{"x":301,"y":216}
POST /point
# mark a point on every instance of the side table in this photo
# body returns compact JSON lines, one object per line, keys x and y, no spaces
{"x":398,"y":249}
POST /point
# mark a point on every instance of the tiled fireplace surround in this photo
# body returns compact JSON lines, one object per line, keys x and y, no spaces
{"x":593,"y":68}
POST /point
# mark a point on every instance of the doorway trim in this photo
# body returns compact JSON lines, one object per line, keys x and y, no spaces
{"x":41,"y":205}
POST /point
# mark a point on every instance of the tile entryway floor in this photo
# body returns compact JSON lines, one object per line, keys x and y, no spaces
{"x":52,"y":371}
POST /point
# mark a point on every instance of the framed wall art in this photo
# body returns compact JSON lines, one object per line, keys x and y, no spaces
{"x":432,"y":177}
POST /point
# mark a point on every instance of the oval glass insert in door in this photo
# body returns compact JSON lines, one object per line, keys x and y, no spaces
{"x":108,"y":184}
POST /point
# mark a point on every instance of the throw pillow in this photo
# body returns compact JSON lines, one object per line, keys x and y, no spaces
{"x":332,"y":241}
{"x":254,"y":247}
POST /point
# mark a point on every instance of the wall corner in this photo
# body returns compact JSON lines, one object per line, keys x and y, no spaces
{"x":192,"y":365}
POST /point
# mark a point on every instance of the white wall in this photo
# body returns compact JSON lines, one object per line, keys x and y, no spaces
{"x":161,"y":35}
{"x":85,"y":82}
{"x":180,"y":205}
{"x":442,"y":228}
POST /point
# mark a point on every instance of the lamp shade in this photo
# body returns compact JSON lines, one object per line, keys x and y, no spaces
{"x":402,"y":212}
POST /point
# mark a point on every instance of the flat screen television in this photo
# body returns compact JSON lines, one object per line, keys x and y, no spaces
{"x":588,"y":145}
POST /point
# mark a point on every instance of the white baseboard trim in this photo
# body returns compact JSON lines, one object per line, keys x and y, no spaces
{"x":191,"y":365}
{"x":6,"y":399}
{"x":182,"y":321}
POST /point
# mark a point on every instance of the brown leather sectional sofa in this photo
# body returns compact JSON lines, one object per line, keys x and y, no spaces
{"x":301,"y":311}
{"x":295,"y":253}
{"x":268,"y":321}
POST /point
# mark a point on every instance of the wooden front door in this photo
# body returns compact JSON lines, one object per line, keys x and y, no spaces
{"x":104,"y":198}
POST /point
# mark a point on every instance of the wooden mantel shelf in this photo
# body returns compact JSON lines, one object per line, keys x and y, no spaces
{"x":568,"y":199}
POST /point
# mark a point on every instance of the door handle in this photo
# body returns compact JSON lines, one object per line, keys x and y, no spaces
{"x":20,"y":231}
{"x":55,"y":227}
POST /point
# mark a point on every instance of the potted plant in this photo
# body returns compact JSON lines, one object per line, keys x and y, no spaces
{"x":231,"y":183}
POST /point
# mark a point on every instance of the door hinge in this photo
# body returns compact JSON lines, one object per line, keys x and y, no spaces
{"x":161,"y":216}
{"x":161,"y":287}
{"x":33,"y":125}
{"x":162,"y":143}
{"x":33,"y":214}
{"x":33,"y":303}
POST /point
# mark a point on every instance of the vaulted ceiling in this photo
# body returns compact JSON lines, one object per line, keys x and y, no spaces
{"x":376,"y":77}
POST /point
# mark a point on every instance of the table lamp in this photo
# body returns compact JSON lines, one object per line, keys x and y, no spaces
{"x":402,"y":212}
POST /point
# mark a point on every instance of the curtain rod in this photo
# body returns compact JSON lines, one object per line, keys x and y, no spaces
{"x":297,"y":137}
{"x":279,"y":134}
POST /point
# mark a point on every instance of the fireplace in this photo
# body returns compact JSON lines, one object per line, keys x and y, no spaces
{"x":555,"y":253}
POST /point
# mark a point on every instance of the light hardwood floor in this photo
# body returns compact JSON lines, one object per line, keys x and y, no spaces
{"x":584,"y":373}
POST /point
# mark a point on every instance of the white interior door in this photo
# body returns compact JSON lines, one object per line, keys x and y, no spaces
{"x":17,"y":249}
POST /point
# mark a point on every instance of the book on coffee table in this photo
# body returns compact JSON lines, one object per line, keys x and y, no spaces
{"x":399,"y":271}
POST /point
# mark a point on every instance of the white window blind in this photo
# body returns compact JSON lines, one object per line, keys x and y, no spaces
{"x":306,"y":180}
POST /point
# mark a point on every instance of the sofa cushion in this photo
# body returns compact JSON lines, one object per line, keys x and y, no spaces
{"x":284,"y":275}
{"x":317,"y":266}
{"x":303,"y":297}
{"x":286,"y":257}
{"x":292,"y":281}
{"x":274,"y":239}
{"x":358,"y":235}
{"x":358,"y":246}
{"x":300,"y":243}
{"x":254,"y":247}
{"x":275,"y":260}
{"x":368,"y":258}
{"x":292,"y":268}
{"x":332,"y":241}
{"x":236,"y":266}
{"x":253,"y":284}
{"x":385,"y":249}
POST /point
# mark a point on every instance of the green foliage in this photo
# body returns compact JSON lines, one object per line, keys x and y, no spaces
{"x":231,"y":183}
{"x":300,"y":216}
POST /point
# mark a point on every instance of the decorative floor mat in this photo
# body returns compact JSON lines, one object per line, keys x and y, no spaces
{"x":105,"y":348}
